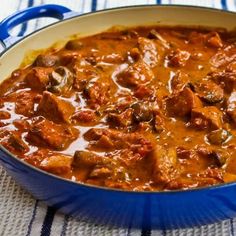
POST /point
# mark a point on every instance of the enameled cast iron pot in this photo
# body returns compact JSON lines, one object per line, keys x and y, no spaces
{"x":166,"y":210}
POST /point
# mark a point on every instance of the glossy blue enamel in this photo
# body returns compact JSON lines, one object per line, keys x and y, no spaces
{"x":162,"y":210}
{"x":49,"y":10}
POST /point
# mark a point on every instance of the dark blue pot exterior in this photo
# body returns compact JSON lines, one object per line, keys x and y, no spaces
{"x":147,"y":210}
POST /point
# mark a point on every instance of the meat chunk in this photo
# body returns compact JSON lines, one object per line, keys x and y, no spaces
{"x":48,"y":134}
{"x":178,"y":58}
{"x":226,"y":79}
{"x":24,"y":103}
{"x":38,"y":78}
{"x":97,"y":94}
{"x":94,"y":134}
{"x":224,"y":56}
{"x":85,"y":117}
{"x":21,"y":124}
{"x":165,"y":164}
{"x":14,"y":142}
{"x":4,"y":115}
{"x":148,"y":51}
{"x":231,"y":106}
{"x":207,"y":118}
{"x":209,"y":91}
{"x":103,"y":139}
{"x":55,"y":108}
{"x":142,"y":92}
{"x":218,"y":136}
{"x":211,"y":39}
{"x":83,"y":73}
{"x":179,"y":81}
{"x":57,"y":164}
{"x":85,"y":158}
{"x":196,"y":37}
{"x":105,"y":143}
{"x":136,"y":74}
{"x":181,"y":104}
{"x":91,"y":165}
{"x":123,"y":119}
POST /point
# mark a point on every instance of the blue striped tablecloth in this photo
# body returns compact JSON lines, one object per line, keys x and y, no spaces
{"x":20,"y":213}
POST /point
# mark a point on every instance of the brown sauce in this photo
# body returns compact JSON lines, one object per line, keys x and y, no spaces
{"x":143,"y":109}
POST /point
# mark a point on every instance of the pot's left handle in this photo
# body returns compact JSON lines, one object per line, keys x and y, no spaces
{"x":47,"y":10}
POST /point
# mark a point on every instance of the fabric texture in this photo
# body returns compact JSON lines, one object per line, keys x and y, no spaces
{"x":20,"y":213}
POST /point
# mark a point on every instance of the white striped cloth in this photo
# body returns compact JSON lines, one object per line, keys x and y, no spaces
{"x":20,"y":213}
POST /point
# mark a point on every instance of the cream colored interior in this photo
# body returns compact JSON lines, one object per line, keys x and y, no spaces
{"x":97,"y":22}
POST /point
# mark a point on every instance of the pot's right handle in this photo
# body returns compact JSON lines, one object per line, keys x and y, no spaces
{"x":47,"y":10}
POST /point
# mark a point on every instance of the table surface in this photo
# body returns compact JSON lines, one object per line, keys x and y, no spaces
{"x":20,"y":213}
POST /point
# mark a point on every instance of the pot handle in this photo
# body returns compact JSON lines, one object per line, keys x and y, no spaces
{"x":47,"y":10}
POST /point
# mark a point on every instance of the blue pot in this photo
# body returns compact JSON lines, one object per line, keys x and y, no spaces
{"x":162,"y":210}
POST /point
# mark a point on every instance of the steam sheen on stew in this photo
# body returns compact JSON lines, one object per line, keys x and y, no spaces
{"x":143,"y":109}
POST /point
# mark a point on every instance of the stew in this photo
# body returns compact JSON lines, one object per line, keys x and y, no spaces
{"x":143,"y":109}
